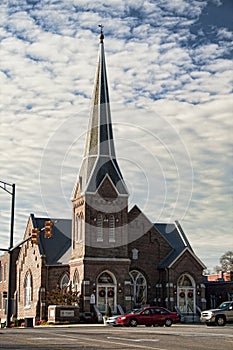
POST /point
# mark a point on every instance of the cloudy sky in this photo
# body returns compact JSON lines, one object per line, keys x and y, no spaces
{"x":170,"y":79}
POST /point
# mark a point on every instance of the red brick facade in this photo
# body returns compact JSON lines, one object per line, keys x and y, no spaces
{"x":142,"y":254}
{"x":4,"y":273}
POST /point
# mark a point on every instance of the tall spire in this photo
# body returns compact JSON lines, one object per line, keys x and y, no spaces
{"x":99,"y":158}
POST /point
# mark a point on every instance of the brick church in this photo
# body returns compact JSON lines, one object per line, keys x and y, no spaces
{"x":106,"y":252}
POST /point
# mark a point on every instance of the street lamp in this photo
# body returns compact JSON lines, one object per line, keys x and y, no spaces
{"x":5,"y":186}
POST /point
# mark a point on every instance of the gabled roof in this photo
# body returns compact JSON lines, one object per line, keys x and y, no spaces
{"x":99,"y":155}
{"x":175,"y":236}
{"x":58,"y":248}
{"x":135,"y":212}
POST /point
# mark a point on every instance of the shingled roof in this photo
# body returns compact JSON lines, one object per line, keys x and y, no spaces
{"x":58,"y":248}
{"x":175,"y":236}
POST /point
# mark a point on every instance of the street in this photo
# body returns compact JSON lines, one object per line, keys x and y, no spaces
{"x":95,"y":337}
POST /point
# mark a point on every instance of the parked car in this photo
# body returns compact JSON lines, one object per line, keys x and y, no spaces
{"x":219,"y":316}
{"x":113,"y":319}
{"x":149,"y":316}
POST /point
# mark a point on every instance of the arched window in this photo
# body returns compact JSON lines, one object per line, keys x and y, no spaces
{"x":76,"y":227}
{"x":106,"y":277}
{"x":185,"y":281}
{"x":28,"y":290}
{"x":76,"y":287}
{"x":139,"y":288}
{"x":79,"y":228}
{"x":99,"y":228}
{"x":64,"y":282}
{"x":111,"y":228}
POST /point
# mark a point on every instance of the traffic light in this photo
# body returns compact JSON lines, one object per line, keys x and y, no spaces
{"x":4,"y":295}
{"x":48,"y":229}
{"x":35,"y":233}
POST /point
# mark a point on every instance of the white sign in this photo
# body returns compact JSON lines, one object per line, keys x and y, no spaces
{"x":52,"y":313}
{"x":67,"y":313}
{"x":92,"y":299}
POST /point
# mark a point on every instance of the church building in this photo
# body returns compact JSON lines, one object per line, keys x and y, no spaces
{"x":108,"y":253}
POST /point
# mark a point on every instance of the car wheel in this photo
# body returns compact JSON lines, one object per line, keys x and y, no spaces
{"x":148,"y":325}
{"x":168,"y":322}
{"x":220,"y":321}
{"x":133,"y":322}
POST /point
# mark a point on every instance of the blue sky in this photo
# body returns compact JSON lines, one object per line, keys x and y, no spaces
{"x":170,"y":78}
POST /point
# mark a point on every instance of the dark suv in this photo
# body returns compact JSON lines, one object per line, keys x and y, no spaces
{"x":219,"y":316}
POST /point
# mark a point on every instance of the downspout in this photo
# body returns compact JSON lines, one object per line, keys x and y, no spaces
{"x":46,"y":288}
{"x":168,"y":288}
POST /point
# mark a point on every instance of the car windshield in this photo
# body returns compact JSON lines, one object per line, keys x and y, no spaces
{"x":223,"y":306}
{"x":135,"y":311}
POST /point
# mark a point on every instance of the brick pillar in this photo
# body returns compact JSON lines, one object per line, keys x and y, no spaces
{"x":42,"y":301}
{"x":128,"y":302}
{"x":86,"y":295}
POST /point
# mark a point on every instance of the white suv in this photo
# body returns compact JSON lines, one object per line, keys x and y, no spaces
{"x":219,"y":316}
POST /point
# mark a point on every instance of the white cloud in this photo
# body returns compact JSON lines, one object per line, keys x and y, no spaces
{"x":170,"y":89}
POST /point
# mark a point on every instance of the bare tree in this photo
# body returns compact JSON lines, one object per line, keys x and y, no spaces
{"x":217,"y":269}
{"x":62,"y":297}
{"x":226,"y":261}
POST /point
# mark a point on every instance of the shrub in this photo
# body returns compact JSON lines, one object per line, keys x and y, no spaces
{"x":18,"y":322}
{"x":108,"y":312}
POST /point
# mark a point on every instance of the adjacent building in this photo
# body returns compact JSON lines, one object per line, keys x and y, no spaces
{"x":219,"y":288}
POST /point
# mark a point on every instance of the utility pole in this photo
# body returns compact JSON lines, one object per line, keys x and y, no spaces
{"x":9,"y":303}
{"x":4,"y":186}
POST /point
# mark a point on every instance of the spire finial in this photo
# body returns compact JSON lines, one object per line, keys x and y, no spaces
{"x":101,"y":33}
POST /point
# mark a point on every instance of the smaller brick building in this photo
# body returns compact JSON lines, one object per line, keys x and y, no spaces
{"x":41,"y":268}
{"x":219,"y":288}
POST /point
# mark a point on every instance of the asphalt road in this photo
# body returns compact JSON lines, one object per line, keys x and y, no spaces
{"x":96,"y":337}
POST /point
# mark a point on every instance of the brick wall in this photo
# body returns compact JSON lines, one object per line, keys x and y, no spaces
{"x":43,"y":278}
{"x":151,"y":249}
{"x":4,"y":266}
{"x":29,"y":262}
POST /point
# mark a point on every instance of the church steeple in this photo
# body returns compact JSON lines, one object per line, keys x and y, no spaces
{"x":99,"y":159}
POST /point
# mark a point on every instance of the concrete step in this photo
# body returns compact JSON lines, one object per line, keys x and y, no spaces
{"x":190,"y":319}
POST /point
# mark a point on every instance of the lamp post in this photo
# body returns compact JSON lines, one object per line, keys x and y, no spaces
{"x":5,"y":186}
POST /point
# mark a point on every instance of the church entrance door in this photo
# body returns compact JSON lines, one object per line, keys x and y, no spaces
{"x":186,"y":294}
{"x":106,"y":291}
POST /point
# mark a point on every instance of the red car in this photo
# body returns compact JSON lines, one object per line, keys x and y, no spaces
{"x":149,"y":316}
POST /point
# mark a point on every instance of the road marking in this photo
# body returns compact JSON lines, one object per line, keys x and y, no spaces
{"x":143,"y":346}
{"x":137,"y":340}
